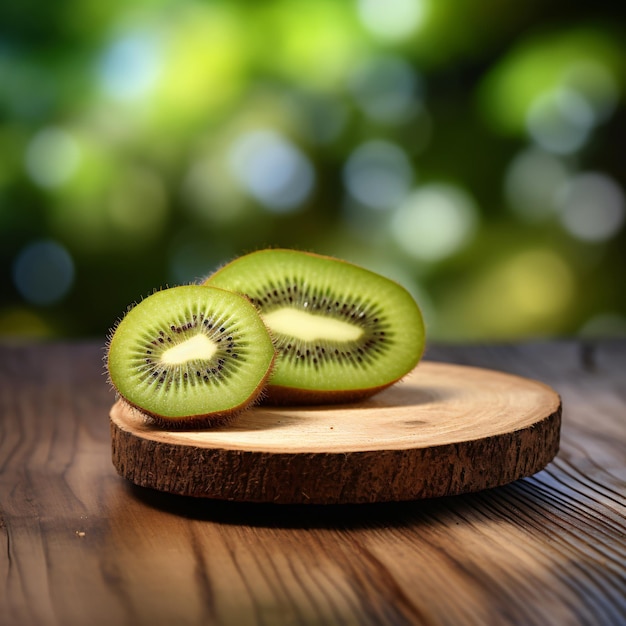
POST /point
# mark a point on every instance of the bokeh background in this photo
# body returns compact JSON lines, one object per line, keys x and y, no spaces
{"x":473,"y":150}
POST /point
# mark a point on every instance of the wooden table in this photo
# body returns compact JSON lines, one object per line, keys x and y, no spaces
{"x":81,"y":546}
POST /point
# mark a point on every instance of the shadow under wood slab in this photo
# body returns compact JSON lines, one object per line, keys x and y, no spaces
{"x":444,"y":430}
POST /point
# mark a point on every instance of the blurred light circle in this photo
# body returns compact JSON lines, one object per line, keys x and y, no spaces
{"x":607,"y":324}
{"x":386,"y":88}
{"x":539,"y":283}
{"x":597,"y":83}
{"x":52,"y":157}
{"x":522,"y":293}
{"x":378,"y":174}
{"x":272,"y":170}
{"x":43,"y":272}
{"x":23,"y":321}
{"x":592,"y":207}
{"x":435,"y":221}
{"x":210,"y":193}
{"x":137,"y":205}
{"x":532,"y":182}
{"x":130,"y":67}
{"x":392,"y":19}
{"x":560,"y":121}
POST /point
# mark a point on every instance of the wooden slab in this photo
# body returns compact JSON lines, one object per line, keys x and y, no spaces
{"x":444,"y":430}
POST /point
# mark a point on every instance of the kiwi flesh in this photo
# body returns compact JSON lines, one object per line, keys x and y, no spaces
{"x":190,"y":356}
{"x":341,"y":332}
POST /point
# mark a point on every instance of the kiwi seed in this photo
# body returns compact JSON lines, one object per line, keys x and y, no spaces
{"x":190,"y":356}
{"x":341,"y":332}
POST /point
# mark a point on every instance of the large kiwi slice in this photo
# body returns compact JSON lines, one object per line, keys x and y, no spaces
{"x":341,"y":332}
{"x":190,"y":356}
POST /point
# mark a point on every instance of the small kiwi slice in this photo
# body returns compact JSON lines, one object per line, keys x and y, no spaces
{"x":190,"y":356}
{"x":341,"y":332}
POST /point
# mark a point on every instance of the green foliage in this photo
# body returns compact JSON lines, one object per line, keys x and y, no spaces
{"x":468,"y":150}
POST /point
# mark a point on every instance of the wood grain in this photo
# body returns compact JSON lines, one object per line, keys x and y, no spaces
{"x":444,"y":430}
{"x":80,"y":545}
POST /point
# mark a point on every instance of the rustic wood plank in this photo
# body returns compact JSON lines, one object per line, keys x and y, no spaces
{"x":80,"y":545}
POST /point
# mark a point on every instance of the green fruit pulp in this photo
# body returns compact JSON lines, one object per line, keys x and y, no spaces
{"x":210,"y":349}
{"x":336,"y":326}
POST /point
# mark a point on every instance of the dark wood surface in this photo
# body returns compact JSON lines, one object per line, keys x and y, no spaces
{"x":79,"y":545}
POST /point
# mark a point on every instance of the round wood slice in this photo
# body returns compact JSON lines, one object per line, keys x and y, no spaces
{"x":445,"y":429}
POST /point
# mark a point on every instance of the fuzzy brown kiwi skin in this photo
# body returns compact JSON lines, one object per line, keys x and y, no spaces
{"x":276,"y":249}
{"x":198,"y":422}
{"x":277,"y":395}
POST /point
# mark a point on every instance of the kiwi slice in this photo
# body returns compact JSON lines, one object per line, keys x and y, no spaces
{"x":341,"y":332}
{"x":190,"y":356}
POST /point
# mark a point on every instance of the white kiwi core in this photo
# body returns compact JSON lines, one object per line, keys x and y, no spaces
{"x":198,"y":347}
{"x":310,"y":326}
